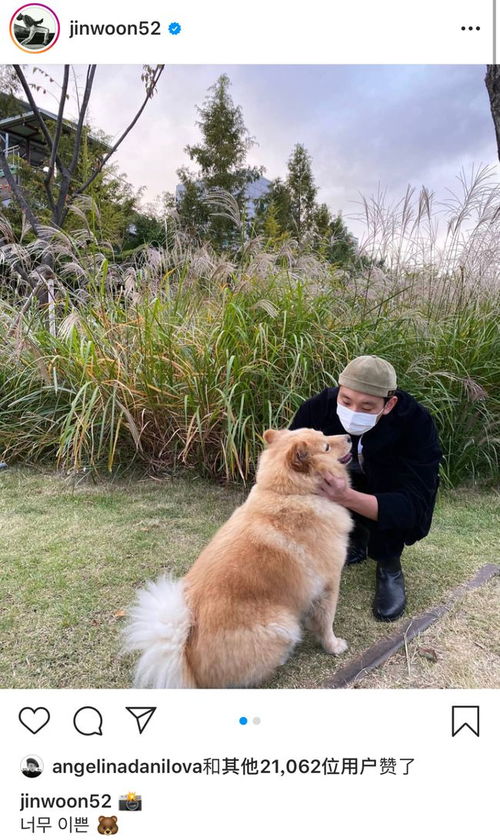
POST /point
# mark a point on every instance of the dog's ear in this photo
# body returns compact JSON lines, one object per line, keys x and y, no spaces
{"x":270,"y":435}
{"x":299,"y":457}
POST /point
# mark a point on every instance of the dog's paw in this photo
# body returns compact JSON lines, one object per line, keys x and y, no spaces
{"x":337,"y":646}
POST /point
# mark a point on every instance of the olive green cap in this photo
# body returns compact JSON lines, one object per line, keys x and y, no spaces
{"x":370,"y":375}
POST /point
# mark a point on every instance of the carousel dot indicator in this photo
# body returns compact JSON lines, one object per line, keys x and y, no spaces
{"x":256,"y":720}
{"x":243,"y":721}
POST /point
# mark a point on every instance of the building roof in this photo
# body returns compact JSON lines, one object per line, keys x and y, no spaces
{"x":25,"y":124}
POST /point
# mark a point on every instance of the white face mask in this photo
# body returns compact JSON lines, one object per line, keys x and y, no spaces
{"x":356,"y":422}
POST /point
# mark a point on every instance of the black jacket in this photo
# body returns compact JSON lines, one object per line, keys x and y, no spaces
{"x":401,"y":457}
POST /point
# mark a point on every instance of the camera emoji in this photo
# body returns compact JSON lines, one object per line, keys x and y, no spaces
{"x":130,"y":802}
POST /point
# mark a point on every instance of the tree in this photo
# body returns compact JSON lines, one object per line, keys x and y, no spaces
{"x":273,"y":216}
{"x":221,"y":160}
{"x":332,"y":238}
{"x":145,"y":227}
{"x":9,"y":87}
{"x":492,"y":81}
{"x":290,"y":208}
{"x":112,"y":195}
{"x":270,"y":224}
{"x":291,"y":203}
{"x":302,"y":190}
{"x":62,"y":181}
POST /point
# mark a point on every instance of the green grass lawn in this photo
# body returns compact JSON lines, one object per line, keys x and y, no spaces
{"x":73,"y":557}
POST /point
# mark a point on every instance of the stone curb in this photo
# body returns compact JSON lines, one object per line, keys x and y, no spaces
{"x":379,"y":652}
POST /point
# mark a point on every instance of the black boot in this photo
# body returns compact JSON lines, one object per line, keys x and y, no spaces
{"x":390,"y":598}
{"x":355,"y":554}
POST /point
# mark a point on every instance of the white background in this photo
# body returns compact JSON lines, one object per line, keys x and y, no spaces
{"x":450,"y":790}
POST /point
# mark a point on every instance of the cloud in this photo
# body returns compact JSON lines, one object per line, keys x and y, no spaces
{"x":364,"y":126}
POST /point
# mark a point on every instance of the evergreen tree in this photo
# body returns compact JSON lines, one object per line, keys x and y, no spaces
{"x":291,"y":202}
{"x":221,"y":160}
{"x":193,"y":213}
{"x":329,"y":236}
{"x":302,"y":191}
{"x":342,"y":245}
{"x":270,"y":224}
{"x":273,"y":216}
{"x":322,"y":220}
{"x":332,"y":238}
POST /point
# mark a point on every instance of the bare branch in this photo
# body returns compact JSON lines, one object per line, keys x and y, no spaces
{"x":60,"y":211}
{"x":59,"y":125}
{"x":37,"y":114}
{"x":58,"y":205}
{"x":149,"y":93}
{"x":81,"y":119}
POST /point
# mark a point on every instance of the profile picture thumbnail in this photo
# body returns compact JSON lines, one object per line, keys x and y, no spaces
{"x":31,"y":766}
{"x":34,"y":28}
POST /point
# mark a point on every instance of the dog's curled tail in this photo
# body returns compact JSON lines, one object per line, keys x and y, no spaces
{"x":158,"y":626}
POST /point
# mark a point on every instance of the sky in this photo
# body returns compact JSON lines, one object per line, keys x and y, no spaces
{"x":365,"y":127}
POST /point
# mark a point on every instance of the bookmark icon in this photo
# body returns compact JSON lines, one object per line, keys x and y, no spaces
{"x":464,"y":717}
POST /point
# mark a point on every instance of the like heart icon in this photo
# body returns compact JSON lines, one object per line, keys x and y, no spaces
{"x":34,"y":719}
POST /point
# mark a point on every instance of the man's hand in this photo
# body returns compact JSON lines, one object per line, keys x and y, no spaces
{"x":338,"y":490}
{"x":333,"y":488}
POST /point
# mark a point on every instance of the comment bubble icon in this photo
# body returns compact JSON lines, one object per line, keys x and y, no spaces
{"x":88,"y":721}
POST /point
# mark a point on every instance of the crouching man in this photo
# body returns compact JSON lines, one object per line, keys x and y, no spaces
{"x":394,"y":469}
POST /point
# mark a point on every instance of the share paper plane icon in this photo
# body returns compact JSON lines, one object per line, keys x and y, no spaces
{"x":142,"y":714}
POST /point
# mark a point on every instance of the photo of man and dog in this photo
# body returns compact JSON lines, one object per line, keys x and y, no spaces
{"x":249,"y":376}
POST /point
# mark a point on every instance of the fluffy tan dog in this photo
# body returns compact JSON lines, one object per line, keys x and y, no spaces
{"x":276,"y":563}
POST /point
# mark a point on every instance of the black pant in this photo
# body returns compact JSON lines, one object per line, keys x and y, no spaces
{"x":380,"y":544}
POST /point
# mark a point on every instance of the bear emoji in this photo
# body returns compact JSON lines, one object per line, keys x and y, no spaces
{"x":107,"y":825}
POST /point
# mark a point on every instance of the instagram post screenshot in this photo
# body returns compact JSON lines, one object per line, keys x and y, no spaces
{"x":250,"y":419}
